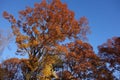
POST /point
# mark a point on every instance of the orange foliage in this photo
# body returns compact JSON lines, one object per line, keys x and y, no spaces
{"x":110,"y":53}
{"x":46,"y":25}
{"x":44,"y":30}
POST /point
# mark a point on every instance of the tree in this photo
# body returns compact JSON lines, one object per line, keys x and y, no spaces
{"x":3,"y":73}
{"x":110,"y":53}
{"x":82,"y":63}
{"x":40,"y":31}
{"x":11,"y":69}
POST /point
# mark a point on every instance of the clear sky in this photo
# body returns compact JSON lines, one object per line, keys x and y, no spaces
{"x":103,"y":16}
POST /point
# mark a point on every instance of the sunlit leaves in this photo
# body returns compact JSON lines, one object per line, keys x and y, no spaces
{"x":50,"y":19}
{"x":40,"y":30}
{"x":47,"y":67}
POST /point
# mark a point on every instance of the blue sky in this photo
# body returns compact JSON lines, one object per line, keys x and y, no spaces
{"x":103,"y":16}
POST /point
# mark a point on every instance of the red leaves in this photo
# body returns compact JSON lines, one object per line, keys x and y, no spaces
{"x":110,"y":52}
{"x":29,"y":10}
{"x":80,"y":58}
{"x":83,"y":21}
{"x":23,"y":13}
{"x":9,"y":17}
{"x":6,"y":15}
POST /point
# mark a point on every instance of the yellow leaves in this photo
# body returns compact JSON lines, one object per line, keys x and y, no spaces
{"x":50,"y":59}
{"x":21,"y":38}
{"x":23,"y":45}
{"x":22,"y":41}
{"x":47,"y":66}
{"x":47,"y":70}
{"x":35,"y":42}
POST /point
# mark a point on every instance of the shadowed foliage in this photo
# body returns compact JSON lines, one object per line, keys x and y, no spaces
{"x":110,"y":53}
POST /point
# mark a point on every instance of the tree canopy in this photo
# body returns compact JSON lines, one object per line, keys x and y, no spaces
{"x":56,"y":45}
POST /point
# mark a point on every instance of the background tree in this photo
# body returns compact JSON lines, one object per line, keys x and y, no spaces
{"x":41,"y":31}
{"x":82,"y":63}
{"x":110,"y":53}
{"x":12,"y":69}
{"x":3,"y":73}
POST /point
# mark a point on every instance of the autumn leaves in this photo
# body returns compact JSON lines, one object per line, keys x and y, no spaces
{"x":54,"y":40}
